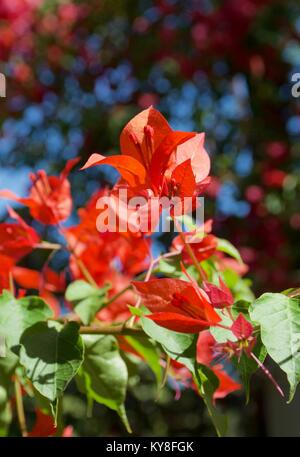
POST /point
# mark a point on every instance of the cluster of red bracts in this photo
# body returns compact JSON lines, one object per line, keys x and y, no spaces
{"x":155,"y":161}
{"x":158,"y":159}
{"x":183,"y":306}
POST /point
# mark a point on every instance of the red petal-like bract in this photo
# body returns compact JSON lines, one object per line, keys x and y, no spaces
{"x":205,"y":348}
{"x":227,"y":385}
{"x":179,"y":322}
{"x":17,"y":240}
{"x":241,"y":328}
{"x":6,"y":266}
{"x":171,"y":299}
{"x":129,"y":168}
{"x":133,"y":139}
{"x":50,"y":200}
{"x":161,"y":156}
{"x":184,"y":178}
{"x":220,"y":297}
{"x":203,"y":249}
{"x":193,"y":149}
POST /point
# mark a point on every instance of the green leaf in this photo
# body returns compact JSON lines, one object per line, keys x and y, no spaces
{"x":279,"y":319}
{"x":87,"y":299}
{"x":17,"y":315}
{"x":207,"y":382}
{"x":51,"y":354}
{"x":221,"y":334}
{"x":135,"y":311}
{"x":182,"y":348}
{"x":211,"y":271}
{"x":103,"y":375}
{"x":240,"y":287}
{"x":170,"y":267}
{"x":7,"y":368}
{"x":149,"y":352}
{"x":225,"y":246}
{"x":241,"y":307}
{"x":246,"y":366}
{"x":173,"y":342}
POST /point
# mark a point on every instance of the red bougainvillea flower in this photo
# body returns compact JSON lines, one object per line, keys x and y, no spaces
{"x":220,"y":297}
{"x":208,"y":350}
{"x":6,"y":266}
{"x":50,"y":200}
{"x":241,"y":328}
{"x":205,"y":355}
{"x":100,"y":250}
{"x":17,"y":240}
{"x":203,"y":244}
{"x":156,"y":158}
{"x":177,"y":305}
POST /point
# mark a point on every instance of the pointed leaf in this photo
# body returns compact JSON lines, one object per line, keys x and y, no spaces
{"x":207,"y":383}
{"x":279,"y":319}
{"x":175,"y":343}
{"x":51,"y":354}
{"x":86,"y":299}
{"x":228,"y":248}
{"x":246,"y":366}
{"x":103,"y":375}
{"x":149,"y":352}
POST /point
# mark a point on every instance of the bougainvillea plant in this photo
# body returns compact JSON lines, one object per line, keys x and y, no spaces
{"x":188,"y":314}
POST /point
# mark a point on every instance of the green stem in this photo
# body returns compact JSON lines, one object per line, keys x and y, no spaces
{"x":20,"y":408}
{"x":110,"y":330}
{"x":189,"y":249}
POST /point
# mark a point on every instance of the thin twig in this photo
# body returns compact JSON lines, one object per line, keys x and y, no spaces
{"x":110,"y":330}
{"x":20,"y":408}
{"x":189,"y":249}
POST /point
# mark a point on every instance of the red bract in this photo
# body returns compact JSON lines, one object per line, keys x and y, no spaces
{"x":202,"y":243}
{"x":202,"y":249}
{"x":241,"y":328}
{"x":220,"y":297}
{"x":100,"y":250}
{"x":155,"y":157}
{"x":6,"y":265}
{"x":177,"y":305}
{"x":17,"y":240}
{"x":50,"y":200}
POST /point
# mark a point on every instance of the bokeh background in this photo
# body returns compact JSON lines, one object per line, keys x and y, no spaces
{"x":77,"y":71}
